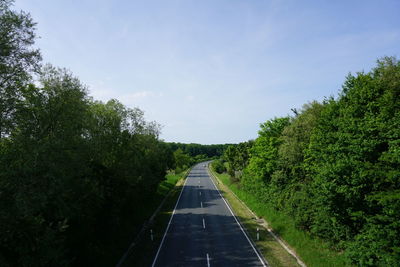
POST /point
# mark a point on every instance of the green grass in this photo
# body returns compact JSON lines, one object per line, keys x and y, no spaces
{"x":313,"y":251}
{"x":171,"y":179}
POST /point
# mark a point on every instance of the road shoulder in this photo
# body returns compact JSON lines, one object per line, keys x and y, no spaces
{"x":267,"y":244}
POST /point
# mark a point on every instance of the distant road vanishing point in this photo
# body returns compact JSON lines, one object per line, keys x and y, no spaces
{"x":203,"y":230}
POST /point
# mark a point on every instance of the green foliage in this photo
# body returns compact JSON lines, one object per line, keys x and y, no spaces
{"x":18,"y":61}
{"x":313,"y":251}
{"x":355,"y":163}
{"x":186,"y":155}
{"x":74,"y":175}
{"x":193,"y":150}
{"x":218,"y":166}
{"x":334,"y":167}
{"x":182,"y":160}
{"x":39,"y":161}
{"x":289,"y":184}
{"x":263,"y":161}
{"x":237,"y":158}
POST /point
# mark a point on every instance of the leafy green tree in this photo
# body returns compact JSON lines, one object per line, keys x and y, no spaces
{"x":182,"y":160}
{"x":264,"y":157}
{"x":197,"y":149}
{"x":18,"y":61}
{"x":39,"y":162}
{"x":72,"y":173}
{"x":289,"y":184}
{"x":296,"y":135}
{"x":75,"y":174}
{"x":355,"y":163}
{"x":334,"y":167}
{"x":237,"y":157}
{"x":218,"y":166}
{"x":230,"y":156}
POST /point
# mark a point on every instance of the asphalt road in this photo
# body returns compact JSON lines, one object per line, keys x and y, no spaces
{"x":202,"y":230}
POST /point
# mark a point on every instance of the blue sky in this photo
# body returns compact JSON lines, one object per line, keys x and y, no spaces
{"x":210,"y":71}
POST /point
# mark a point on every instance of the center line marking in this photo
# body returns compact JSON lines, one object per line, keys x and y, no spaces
{"x":208,"y":261}
{"x":204,"y":224}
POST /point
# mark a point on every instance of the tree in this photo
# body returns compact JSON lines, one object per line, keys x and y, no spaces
{"x":237,"y":157}
{"x":71,"y":174}
{"x":264,"y":156}
{"x":182,"y":160}
{"x":42,"y":163}
{"x":18,"y":61}
{"x":355,"y":162}
{"x":74,"y":173}
{"x":218,"y":166}
{"x":289,"y":184}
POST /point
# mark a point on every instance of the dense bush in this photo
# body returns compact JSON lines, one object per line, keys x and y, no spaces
{"x":218,"y":166}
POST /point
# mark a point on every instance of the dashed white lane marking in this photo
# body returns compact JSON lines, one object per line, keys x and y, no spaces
{"x":201,"y":204}
{"x":208,"y":261}
{"x":204,"y":224}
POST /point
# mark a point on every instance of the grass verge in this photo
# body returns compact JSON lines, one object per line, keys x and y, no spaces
{"x":313,"y":251}
{"x":143,"y":253}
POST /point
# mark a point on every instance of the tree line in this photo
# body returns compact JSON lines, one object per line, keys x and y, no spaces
{"x":76,"y":174}
{"x":334,"y":166}
{"x":186,"y":155}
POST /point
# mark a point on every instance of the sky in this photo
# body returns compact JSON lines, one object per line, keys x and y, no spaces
{"x":210,"y":71}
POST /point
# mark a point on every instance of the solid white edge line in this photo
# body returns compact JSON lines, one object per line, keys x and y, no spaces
{"x":248,"y":239}
{"x":169,"y":223}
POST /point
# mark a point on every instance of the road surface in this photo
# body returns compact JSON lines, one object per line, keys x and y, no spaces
{"x":203,"y":231}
